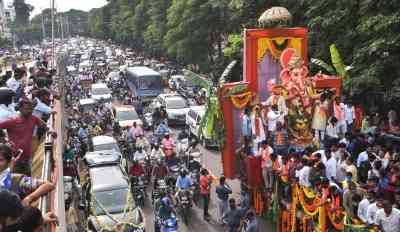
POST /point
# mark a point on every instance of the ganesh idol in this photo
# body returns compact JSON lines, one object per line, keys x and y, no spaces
{"x":301,"y":95}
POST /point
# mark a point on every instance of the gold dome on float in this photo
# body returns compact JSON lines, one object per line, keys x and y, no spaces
{"x":275,"y":16}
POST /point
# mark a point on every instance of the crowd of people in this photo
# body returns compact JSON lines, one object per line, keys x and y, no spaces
{"x":25,"y":106}
{"x":354,"y":157}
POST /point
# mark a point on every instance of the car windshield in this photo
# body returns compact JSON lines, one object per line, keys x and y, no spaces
{"x":127,"y":115}
{"x":100,"y":91}
{"x":106,"y":146}
{"x":176,"y":103}
{"x":113,"y":201}
{"x":150,"y":82}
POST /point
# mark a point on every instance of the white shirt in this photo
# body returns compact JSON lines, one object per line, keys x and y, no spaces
{"x":363,"y":156}
{"x":139,"y":156}
{"x":13,"y":84}
{"x":331,"y":165}
{"x":41,"y":109}
{"x":349,"y":113}
{"x":303,"y":174}
{"x":389,"y":223}
{"x":362,"y":210}
{"x":157,"y":153}
{"x":272,"y":119}
{"x":332,"y":131}
{"x":7,"y":112}
{"x":341,"y":170}
{"x":371,"y":213}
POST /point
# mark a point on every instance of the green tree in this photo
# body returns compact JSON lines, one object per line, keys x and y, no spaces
{"x":22,"y":12}
{"x":157,"y":27}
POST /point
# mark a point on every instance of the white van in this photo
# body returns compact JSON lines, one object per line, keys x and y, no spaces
{"x":193,"y":120}
{"x":100,"y":91}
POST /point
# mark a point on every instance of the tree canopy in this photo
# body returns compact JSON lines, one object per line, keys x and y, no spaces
{"x":208,"y":33}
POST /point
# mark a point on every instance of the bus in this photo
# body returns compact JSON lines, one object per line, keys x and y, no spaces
{"x":144,"y":83}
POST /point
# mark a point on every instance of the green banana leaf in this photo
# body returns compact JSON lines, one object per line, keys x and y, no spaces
{"x":338,"y":62}
{"x":324,"y":65}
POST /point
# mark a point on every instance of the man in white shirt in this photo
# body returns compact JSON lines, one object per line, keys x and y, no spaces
{"x":363,"y":206}
{"x":304,"y":173}
{"x":330,"y":166}
{"x":41,"y":108}
{"x":7,"y":107}
{"x":273,"y":117}
{"x":372,"y":209}
{"x":388,"y":218}
{"x":349,"y":116}
{"x":13,"y":84}
{"x":363,"y":156}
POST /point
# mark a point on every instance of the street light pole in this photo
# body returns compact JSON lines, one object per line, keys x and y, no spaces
{"x":52,"y":35}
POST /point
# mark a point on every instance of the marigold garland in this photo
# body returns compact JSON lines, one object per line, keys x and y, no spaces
{"x":310,"y":210}
{"x":309,"y":193}
{"x":293,"y":208}
{"x":332,"y":218}
{"x":241,"y":100}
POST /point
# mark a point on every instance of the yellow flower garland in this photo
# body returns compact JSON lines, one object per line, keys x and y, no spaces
{"x":241,"y":100}
{"x":309,"y":193}
{"x":308,"y":209}
{"x":293,"y":209}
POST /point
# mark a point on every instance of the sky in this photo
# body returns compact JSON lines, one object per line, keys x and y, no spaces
{"x":64,"y":5}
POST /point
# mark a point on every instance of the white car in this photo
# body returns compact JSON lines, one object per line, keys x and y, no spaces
{"x":126,"y":116}
{"x":103,"y":143}
{"x":100,"y":91}
{"x":175,"y":105}
{"x":193,"y":119}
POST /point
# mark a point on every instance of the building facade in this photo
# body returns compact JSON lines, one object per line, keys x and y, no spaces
{"x":7,"y":15}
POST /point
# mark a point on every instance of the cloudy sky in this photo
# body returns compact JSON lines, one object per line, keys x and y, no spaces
{"x":64,"y":5}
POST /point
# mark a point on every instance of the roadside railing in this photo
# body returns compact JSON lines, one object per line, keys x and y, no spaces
{"x":52,"y":170}
{"x":47,"y":169}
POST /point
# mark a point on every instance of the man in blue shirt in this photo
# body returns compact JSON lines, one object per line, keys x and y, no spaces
{"x":182,"y":183}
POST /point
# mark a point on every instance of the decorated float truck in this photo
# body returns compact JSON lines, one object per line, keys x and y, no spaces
{"x":275,"y":72}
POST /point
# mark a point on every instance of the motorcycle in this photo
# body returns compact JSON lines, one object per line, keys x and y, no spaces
{"x":182,"y":146}
{"x":148,"y":121}
{"x":184,"y":204}
{"x":160,"y":186}
{"x":167,"y":225}
{"x":195,"y":177}
{"x":139,"y":190}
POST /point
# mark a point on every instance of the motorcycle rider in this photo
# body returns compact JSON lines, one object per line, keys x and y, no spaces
{"x":135,"y":130}
{"x":157,"y":153}
{"x":183,"y":183}
{"x":141,"y":141}
{"x":168,"y":146}
{"x":162,"y":129}
{"x":139,"y":155}
{"x":136,"y":169}
{"x":163,"y":209}
{"x":160,"y":171}
{"x":116,"y":129}
{"x":163,"y":114}
{"x":83,"y":133}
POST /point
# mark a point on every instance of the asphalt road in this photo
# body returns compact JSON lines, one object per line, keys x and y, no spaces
{"x":211,"y":161}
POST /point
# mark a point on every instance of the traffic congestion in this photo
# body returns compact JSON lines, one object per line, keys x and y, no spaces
{"x":133,"y":141}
